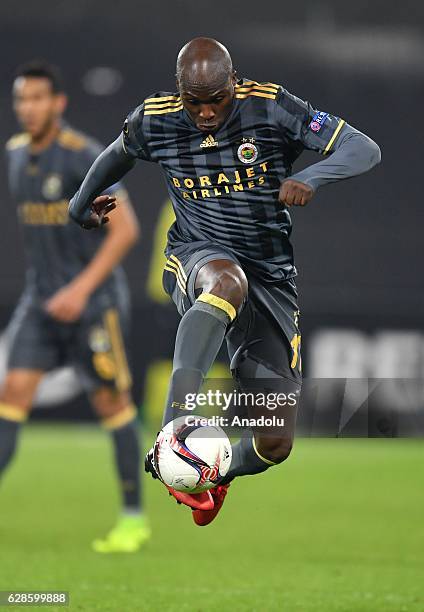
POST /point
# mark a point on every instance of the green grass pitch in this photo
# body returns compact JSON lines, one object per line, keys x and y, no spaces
{"x":339,"y":527}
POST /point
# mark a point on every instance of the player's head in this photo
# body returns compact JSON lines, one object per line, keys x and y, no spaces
{"x":206,"y":80}
{"x":38,"y":97}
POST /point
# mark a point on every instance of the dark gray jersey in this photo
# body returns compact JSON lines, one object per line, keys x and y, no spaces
{"x":224,"y":186}
{"x":42,"y":186}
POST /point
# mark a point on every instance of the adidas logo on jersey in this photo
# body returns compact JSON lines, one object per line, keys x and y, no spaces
{"x":209,"y":142}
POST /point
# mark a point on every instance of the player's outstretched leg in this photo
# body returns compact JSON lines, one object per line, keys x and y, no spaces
{"x":262,"y":448}
{"x":223,"y":289}
{"x":256,"y":454}
{"x":15,"y":403}
{"x":119,"y":417}
{"x":246,"y":459}
{"x":11,"y":419}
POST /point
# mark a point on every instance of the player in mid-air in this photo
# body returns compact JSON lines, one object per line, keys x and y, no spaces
{"x":75,"y":305}
{"x":227,"y":147}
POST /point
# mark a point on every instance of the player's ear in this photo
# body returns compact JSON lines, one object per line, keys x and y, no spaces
{"x":234,"y":77}
{"x":61,"y":103}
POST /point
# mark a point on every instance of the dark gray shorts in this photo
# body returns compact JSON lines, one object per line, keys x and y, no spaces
{"x":267,"y":329}
{"x":96,"y":345}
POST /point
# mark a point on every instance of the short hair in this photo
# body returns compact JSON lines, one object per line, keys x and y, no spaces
{"x":39,"y":69}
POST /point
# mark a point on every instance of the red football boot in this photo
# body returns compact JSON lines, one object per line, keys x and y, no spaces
{"x":204,"y":517}
{"x":196,"y":501}
{"x":199,"y":502}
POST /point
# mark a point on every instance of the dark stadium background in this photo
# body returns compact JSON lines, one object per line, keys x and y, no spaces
{"x":358,"y":245}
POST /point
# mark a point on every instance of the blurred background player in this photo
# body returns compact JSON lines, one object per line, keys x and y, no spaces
{"x":75,"y":305}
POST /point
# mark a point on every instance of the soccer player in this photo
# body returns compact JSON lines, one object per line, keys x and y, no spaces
{"x":227,"y":147}
{"x":75,"y":305}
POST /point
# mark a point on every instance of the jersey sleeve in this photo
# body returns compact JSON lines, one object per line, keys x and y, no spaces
{"x":84,"y":160}
{"x":133,"y":139}
{"x":303,"y":124}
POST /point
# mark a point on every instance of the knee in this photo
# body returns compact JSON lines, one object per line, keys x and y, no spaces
{"x":276,"y":450}
{"x":11,"y":389}
{"x":16,"y":391}
{"x":228,"y":282}
{"x":233,"y":285}
{"x":108,"y":402}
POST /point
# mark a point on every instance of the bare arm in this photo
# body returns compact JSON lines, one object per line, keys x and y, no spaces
{"x":123,"y":231}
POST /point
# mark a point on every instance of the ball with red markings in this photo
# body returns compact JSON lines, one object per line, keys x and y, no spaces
{"x":192,"y":457}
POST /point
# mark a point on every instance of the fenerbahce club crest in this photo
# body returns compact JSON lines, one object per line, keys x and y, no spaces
{"x":247,"y":151}
{"x":52,"y":187}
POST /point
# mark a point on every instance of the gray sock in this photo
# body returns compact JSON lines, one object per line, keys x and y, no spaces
{"x":199,"y":337}
{"x":245,"y":460}
{"x":127,"y":458}
{"x":8,"y":439}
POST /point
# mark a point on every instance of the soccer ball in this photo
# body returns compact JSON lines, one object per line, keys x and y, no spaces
{"x":191,"y":458}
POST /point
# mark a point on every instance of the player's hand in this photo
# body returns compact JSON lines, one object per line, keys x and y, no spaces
{"x":67,"y":304}
{"x":101,"y":206}
{"x":295,"y":193}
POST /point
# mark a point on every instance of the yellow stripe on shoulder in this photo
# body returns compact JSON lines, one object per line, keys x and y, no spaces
{"x":249,"y":85}
{"x":161,"y":99}
{"x":257,"y":93}
{"x":161,"y":105}
{"x":260,"y":90}
{"x":256,"y":88}
{"x":17,"y":141}
{"x":69,"y":139}
{"x":162,"y":111}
